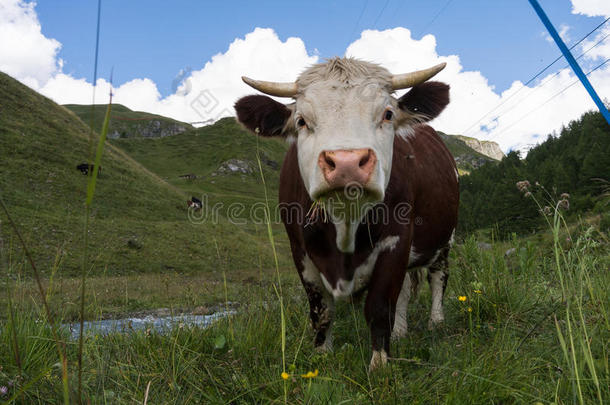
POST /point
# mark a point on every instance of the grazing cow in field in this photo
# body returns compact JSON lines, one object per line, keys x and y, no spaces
{"x":195,"y":203}
{"x":86,"y":167}
{"x":353,"y":141}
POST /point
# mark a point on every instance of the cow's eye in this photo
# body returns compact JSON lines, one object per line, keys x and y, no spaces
{"x":301,"y":123}
{"x":388,"y":115}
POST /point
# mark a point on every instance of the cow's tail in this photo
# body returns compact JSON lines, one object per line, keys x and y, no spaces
{"x":417,"y":278}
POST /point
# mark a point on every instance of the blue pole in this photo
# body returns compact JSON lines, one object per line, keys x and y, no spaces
{"x":566,"y":53}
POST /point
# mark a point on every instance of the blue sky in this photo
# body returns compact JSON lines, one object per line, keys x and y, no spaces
{"x":504,"y":39}
{"x":492,"y":48}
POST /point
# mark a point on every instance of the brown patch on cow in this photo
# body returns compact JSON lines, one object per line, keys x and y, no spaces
{"x":262,"y":115}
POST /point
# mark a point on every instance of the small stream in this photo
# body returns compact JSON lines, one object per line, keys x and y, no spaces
{"x":161,"y":324}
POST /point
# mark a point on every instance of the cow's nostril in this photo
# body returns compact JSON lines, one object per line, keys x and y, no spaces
{"x":329,"y":161}
{"x":365,"y":159}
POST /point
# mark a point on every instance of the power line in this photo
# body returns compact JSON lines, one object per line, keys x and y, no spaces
{"x":380,"y":13}
{"x":534,"y":77}
{"x":548,"y":80}
{"x":547,"y":101}
{"x":358,"y":21}
{"x":423,"y":31}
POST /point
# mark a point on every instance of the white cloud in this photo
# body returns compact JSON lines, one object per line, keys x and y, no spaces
{"x":591,"y":8}
{"x":25,"y":53}
{"x":209,"y":92}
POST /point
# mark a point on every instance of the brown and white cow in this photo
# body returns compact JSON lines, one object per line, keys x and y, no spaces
{"x":348,"y":130}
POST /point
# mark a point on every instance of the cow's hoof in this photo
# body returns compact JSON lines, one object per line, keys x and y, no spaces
{"x":325,"y":347}
{"x":378,"y":360}
{"x":399,"y":333}
{"x":435,"y":322}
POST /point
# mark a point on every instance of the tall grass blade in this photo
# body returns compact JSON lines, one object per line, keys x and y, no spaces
{"x":92,"y":181}
{"x":61,"y":348}
{"x":278,"y":290}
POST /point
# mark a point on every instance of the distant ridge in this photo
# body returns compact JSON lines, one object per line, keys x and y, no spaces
{"x":126,"y":123}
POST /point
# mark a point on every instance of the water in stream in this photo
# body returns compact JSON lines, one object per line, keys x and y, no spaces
{"x":161,"y":324}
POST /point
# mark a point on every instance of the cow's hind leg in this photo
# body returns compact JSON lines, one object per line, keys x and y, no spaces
{"x":438,"y":274}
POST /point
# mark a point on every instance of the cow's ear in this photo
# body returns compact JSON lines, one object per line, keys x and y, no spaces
{"x":425,"y":101}
{"x":263,"y":115}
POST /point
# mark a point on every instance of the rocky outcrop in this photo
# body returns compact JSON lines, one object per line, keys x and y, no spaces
{"x":234,"y":166}
{"x":487,"y":148}
{"x":145,"y":129}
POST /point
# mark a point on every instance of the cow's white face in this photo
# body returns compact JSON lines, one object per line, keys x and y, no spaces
{"x":345,"y":137}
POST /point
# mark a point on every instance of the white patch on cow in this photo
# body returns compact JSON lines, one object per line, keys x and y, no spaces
{"x":326,"y":284}
{"x":290,"y":139}
{"x":362,"y":273}
{"x":434,"y":257}
{"x":346,"y":235}
{"x":311,"y":274}
{"x":378,"y":359}
{"x":457,"y":174}
{"x":400,"y":317}
{"x":436,"y":288}
{"x":452,"y":238}
{"x":406,"y":132}
{"x":413,"y":255}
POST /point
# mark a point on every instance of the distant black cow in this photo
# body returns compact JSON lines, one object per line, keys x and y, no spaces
{"x":86,"y":167}
{"x":195,"y":203}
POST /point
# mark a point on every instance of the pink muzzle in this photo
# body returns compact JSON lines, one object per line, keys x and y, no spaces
{"x":343,"y":167}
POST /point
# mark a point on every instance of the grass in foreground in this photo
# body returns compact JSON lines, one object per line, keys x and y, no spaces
{"x":500,"y":345}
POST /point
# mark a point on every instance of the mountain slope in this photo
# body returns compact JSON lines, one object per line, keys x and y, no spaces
{"x":216,"y":162}
{"x":487,"y":148}
{"x":138,"y":221}
{"x":125,"y":123}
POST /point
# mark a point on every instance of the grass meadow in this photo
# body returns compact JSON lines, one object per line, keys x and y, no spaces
{"x":534,"y":328}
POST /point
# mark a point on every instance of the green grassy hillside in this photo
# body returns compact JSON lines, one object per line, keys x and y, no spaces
{"x":201,"y":152}
{"x":125,"y":123}
{"x":134,"y":213}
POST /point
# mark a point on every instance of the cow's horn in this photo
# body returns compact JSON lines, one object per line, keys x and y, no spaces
{"x":279,"y":89}
{"x":407,"y":80}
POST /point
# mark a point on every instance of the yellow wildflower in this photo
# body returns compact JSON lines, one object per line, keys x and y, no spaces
{"x":285,"y":375}
{"x":469,"y":309}
{"x":310,"y":374}
{"x":477,"y":291}
{"x":462,"y":298}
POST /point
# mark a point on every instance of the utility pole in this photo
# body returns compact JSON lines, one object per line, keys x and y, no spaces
{"x":568,"y":55}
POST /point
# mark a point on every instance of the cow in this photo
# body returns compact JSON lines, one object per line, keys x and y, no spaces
{"x":85,"y":168}
{"x":194,"y":203}
{"x":348,"y":131}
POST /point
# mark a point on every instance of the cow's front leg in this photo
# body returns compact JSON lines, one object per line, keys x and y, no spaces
{"x":380,"y":306}
{"x":321,"y":307}
{"x":321,"y":312}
